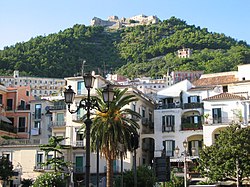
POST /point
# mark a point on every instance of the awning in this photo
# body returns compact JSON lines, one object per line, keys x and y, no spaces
{"x":5,"y":119}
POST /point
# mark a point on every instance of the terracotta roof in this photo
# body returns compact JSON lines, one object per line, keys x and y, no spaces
{"x":224,"y":96}
{"x":217,"y":80}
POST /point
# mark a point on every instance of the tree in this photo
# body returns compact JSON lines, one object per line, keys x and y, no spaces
{"x":6,"y":169}
{"x":114,"y":127}
{"x":228,"y":157}
{"x":55,"y":146}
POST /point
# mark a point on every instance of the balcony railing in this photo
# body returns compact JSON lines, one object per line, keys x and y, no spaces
{"x":23,"y":107}
{"x":168,"y":128}
{"x":20,"y":142}
{"x":191,"y":126}
{"x":192,"y":105}
{"x":58,"y":123}
{"x":223,"y":120}
{"x":169,"y":106}
{"x":7,"y":128}
{"x":147,"y":130}
{"x":58,"y":107}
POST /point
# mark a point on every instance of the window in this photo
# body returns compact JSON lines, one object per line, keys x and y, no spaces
{"x":193,"y":120}
{"x":7,"y":155}
{"x":22,"y":105}
{"x":225,"y":89}
{"x":81,"y":88}
{"x":21,"y":124}
{"x":9,"y":104}
{"x":168,"y":122}
{"x":217,"y":115}
{"x":150,"y":116}
{"x":49,"y":157}
{"x":134,"y":107}
{"x":37,"y":124}
{"x":1,"y":99}
{"x":38,"y":111}
{"x":27,"y":93}
{"x":197,"y":144}
{"x":169,"y":146}
{"x":143,"y":112}
{"x":79,"y":164}
{"x":60,"y":118}
{"x":80,"y":113}
{"x":193,"y":99}
{"x":39,"y":160}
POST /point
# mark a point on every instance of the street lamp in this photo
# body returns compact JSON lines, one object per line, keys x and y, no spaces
{"x":177,"y":150}
{"x":87,"y":104}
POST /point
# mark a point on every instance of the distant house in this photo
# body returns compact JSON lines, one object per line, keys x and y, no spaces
{"x":184,"y":53}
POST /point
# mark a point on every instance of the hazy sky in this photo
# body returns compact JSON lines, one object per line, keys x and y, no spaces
{"x":22,"y":19}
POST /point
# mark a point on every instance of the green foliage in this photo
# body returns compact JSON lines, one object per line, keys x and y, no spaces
{"x":50,"y":179}
{"x":144,"y":50}
{"x":6,"y":168}
{"x":55,"y":146}
{"x":145,"y":177}
{"x":218,"y":161}
{"x":175,"y":181}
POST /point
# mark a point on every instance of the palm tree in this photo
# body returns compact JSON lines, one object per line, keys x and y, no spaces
{"x":114,"y":127}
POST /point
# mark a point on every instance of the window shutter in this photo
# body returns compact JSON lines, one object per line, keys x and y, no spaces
{"x":173,"y":147}
{"x":198,"y":99}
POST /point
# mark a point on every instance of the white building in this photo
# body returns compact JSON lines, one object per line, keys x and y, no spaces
{"x":40,"y":86}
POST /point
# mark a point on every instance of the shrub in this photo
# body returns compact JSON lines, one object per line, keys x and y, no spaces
{"x":50,"y":179}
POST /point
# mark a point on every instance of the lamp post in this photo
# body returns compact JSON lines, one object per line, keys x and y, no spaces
{"x":87,"y":104}
{"x":177,"y":150}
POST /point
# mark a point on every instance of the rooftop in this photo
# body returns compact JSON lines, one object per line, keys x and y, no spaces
{"x":224,"y":96}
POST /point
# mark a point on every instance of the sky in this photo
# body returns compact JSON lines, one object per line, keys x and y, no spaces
{"x":21,"y":20}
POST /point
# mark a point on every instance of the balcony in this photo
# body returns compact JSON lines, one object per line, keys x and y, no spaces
{"x":58,"y":107}
{"x":223,"y":120}
{"x":58,"y":124}
{"x":147,"y":130}
{"x":77,"y":143}
{"x":192,"y":105}
{"x":168,"y":128}
{"x":19,"y":142}
{"x":40,"y":168}
{"x":23,"y":107}
{"x":7,"y":128}
{"x":168,"y":106}
{"x":191,"y":126}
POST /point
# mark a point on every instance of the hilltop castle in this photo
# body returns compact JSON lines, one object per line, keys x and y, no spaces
{"x":116,"y":23}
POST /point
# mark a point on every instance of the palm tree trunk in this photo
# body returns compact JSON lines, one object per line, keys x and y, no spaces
{"x":109,"y":172}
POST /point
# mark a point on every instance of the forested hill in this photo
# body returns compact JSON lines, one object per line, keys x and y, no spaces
{"x":133,"y":51}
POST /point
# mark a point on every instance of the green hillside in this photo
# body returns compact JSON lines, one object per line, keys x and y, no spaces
{"x":133,"y":51}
